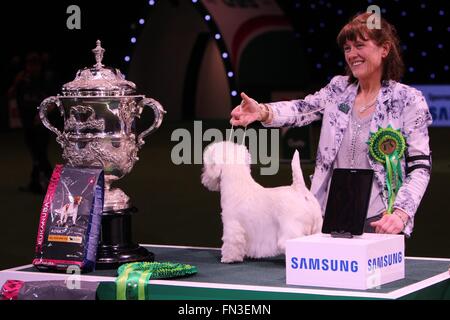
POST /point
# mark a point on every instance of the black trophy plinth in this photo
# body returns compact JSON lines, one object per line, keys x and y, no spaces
{"x":116,"y":246}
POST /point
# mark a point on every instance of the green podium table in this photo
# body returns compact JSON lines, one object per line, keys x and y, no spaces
{"x":262,"y":279}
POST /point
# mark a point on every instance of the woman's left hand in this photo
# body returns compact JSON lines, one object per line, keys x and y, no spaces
{"x":390,"y":223}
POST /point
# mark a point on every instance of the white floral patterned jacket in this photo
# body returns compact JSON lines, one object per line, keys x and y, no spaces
{"x":398,"y":105}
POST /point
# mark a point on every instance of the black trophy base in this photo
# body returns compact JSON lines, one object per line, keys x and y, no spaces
{"x":112,"y":257}
{"x":116,"y":246}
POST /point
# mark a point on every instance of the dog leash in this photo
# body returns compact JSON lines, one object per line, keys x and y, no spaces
{"x":232,"y":128}
{"x":231,"y":134}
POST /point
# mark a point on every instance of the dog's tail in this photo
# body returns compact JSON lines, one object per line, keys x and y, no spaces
{"x":297,"y":175}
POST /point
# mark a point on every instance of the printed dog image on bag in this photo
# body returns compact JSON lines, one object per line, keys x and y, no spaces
{"x":69,"y":210}
{"x":69,"y":227}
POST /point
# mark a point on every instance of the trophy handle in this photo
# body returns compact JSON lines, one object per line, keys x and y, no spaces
{"x":43,"y":115}
{"x":159,"y":114}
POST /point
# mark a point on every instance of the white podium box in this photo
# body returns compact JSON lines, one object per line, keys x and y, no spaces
{"x":362,"y":262}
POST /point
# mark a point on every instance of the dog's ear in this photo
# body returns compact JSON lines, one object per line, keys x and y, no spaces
{"x":211,"y":177}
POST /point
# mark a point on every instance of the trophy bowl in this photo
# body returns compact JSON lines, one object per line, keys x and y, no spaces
{"x":100,"y":108}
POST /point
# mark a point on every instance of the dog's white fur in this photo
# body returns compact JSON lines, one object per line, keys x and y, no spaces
{"x":257,"y":221}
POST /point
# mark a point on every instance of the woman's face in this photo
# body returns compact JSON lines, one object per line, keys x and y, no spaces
{"x":365,"y":58}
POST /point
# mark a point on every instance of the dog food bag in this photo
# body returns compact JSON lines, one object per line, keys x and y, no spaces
{"x":70,"y":222}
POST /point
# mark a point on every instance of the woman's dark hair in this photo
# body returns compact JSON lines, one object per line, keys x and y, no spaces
{"x":393,"y":65}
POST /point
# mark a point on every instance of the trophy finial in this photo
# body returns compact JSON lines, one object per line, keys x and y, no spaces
{"x":98,"y":52}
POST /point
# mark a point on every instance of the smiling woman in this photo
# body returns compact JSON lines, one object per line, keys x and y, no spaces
{"x":372,"y":44}
{"x":368,"y":102}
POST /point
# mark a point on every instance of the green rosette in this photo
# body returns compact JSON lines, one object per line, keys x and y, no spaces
{"x":387,"y":146}
{"x":132,"y":280}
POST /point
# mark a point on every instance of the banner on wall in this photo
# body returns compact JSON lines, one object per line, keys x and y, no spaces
{"x":241,"y":21}
{"x":438,"y":99}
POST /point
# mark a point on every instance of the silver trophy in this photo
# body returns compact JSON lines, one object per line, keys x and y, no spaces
{"x":100,"y":109}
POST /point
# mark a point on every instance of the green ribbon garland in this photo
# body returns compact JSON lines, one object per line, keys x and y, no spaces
{"x":133,"y":277}
{"x":387,"y":146}
{"x":121,"y":284}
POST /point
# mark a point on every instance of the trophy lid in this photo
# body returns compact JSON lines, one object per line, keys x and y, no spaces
{"x":98,"y":80}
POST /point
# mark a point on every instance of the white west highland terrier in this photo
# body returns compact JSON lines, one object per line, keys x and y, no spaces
{"x":257,"y":221}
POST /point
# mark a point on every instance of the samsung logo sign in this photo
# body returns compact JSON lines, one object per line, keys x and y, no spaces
{"x":438,"y":99}
{"x":384,"y":261}
{"x":338,"y":265}
{"x":324,"y":264}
